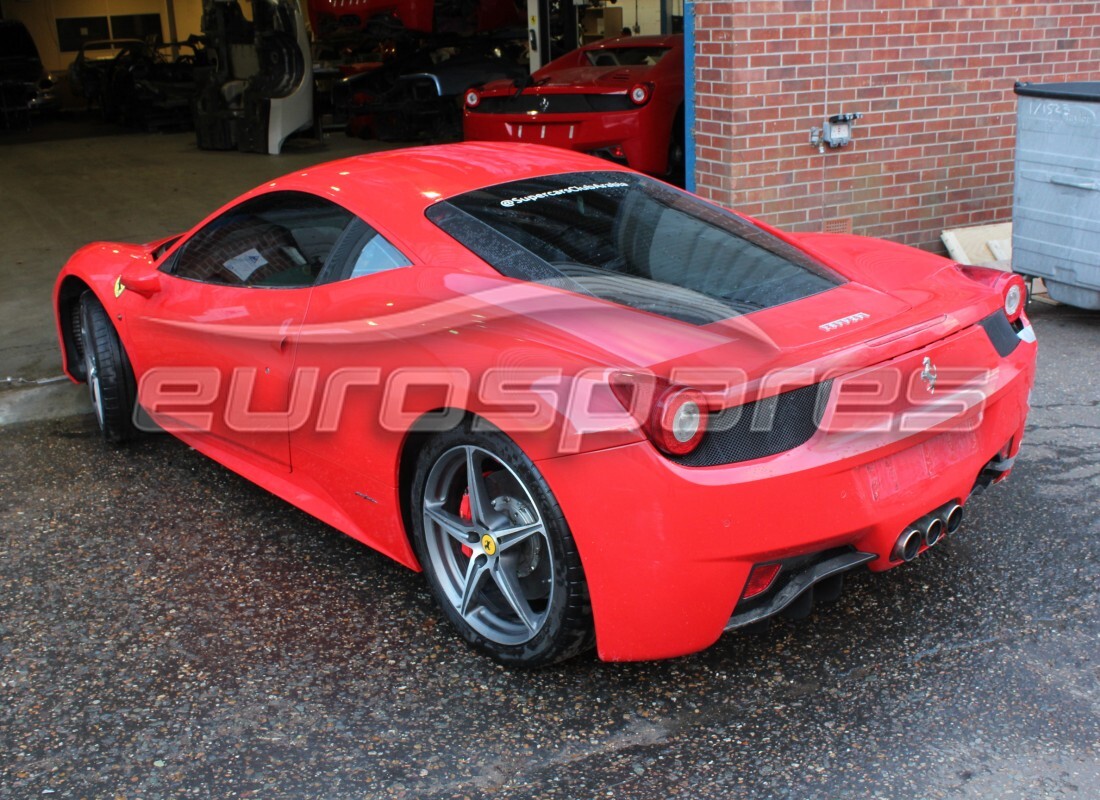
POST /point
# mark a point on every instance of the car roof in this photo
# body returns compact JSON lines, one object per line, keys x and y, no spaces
{"x":654,"y":40}
{"x":387,"y":186}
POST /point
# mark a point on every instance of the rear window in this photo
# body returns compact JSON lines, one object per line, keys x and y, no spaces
{"x":634,"y":241}
{"x":625,"y":56}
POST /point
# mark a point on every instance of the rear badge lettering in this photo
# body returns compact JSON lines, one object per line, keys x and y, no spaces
{"x":851,"y":319}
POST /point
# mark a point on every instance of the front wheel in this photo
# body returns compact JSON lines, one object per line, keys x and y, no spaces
{"x":107,"y":371}
{"x":496,"y":550}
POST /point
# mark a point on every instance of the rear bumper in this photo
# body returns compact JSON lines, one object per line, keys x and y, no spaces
{"x":643,"y":134}
{"x":668,"y":549}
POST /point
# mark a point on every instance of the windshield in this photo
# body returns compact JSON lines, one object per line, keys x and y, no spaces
{"x":634,"y":241}
{"x":625,"y":56}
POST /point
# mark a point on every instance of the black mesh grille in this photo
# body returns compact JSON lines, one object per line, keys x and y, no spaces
{"x":762,"y":428}
{"x":1000,"y":333}
{"x":554,"y":104}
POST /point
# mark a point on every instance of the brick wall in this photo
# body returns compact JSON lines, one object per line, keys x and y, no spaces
{"x":933,"y":79}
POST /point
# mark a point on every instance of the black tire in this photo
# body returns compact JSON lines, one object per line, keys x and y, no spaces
{"x":514,"y":543}
{"x":107,"y":372}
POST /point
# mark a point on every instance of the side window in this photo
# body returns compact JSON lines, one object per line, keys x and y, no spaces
{"x":377,"y":255}
{"x":363,"y":251}
{"x":277,"y":240}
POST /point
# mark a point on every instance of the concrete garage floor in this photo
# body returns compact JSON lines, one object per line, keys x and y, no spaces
{"x":56,"y":196}
{"x":169,"y":631}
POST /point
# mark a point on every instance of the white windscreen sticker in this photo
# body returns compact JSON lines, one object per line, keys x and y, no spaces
{"x":588,"y":187}
{"x":245,"y":264}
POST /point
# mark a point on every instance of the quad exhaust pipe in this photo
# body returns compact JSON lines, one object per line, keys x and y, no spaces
{"x":908,"y":544}
{"x":952,"y":517}
{"x":927,"y":531}
{"x":931,"y":529}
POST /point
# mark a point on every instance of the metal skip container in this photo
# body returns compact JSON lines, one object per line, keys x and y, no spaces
{"x":1056,"y":194}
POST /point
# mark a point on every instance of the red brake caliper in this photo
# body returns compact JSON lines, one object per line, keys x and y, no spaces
{"x":466,"y":515}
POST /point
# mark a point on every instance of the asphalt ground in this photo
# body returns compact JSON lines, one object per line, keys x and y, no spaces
{"x":171,"y":631}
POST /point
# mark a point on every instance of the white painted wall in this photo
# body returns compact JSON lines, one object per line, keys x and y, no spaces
{"x":648,"y":14}
{"x":189,"y":17}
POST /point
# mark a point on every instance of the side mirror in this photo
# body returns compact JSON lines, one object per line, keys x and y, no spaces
{"x":140,"y":279}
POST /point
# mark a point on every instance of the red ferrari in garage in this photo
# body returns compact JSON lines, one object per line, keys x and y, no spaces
{"x":593,"y":409}
{"x":621,"y":99}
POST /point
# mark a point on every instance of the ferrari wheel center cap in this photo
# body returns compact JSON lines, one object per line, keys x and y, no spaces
{"x":489,"y":545}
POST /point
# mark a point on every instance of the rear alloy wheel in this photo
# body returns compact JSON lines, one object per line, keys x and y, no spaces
{"x":496,"y":550}
{"x":107,"y":371}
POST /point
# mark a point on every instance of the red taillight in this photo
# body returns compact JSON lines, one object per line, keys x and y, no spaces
{"x":1014,"y":292}
{"x":673,"y":417}
{"x":678,"y":420}
{"x":760,"y":579}
{"x":1009,"y":285}
{"x":640,"y":93}
{"x":473,"y":98}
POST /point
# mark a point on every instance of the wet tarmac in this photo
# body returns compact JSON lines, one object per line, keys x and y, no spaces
{"x":171,"y":631}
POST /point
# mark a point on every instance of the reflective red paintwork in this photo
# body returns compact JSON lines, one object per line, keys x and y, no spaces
{"x":667,"y":549}
{"x":641,"y":136}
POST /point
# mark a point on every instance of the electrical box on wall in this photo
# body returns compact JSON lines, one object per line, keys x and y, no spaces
{"x":835,"y":132}
{"x":838,"y":130}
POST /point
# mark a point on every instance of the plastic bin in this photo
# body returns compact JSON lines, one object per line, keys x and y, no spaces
{"x":1056,"y":194}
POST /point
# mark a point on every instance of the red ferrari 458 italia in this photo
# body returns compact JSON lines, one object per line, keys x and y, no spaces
{"x":622,"y":100}
{"x":592,"y":408}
